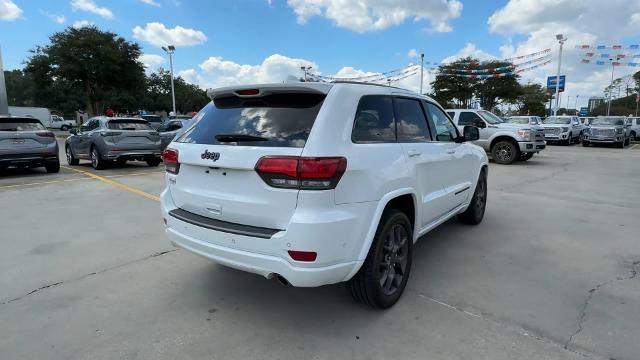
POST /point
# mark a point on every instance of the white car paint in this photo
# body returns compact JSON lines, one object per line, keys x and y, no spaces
{"x":339,"y":224}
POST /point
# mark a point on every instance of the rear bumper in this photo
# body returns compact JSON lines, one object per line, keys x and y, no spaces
{"x":531,"y":146}
{"x":332,"y":239}
{"x":18,"y":159}
{"x":132,"y":154}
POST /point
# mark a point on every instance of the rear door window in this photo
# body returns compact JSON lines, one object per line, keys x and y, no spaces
{"x":374,"y":120}
{"x":20,"y":124}
{"x":468,"y":118}
{"x":277,"y":120}
{"x":128,"y":125}
{"x":411,"y":121}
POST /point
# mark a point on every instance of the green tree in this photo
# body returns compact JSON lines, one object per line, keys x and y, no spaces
{"x":532,"y":100}
{"x":497,"y":90}
{"x":99,"y":65}
{"x":189,"y":97}
{"x":451,"y":90}
{"x":19,"y":88}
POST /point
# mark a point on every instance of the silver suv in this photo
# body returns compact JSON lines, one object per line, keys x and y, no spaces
{"x":102,"y":139}
{"x":25,"y":142}
{"x":563,"y":129}
{"x":635,"y":128}
{"x":608,"y":130}
{"x":505,"y":142}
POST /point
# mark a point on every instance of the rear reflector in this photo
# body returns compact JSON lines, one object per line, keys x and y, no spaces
{"x":304,"y":173}
{"x":45,"y":134}
{"x":303,"y":255}
{"x":170,"y":159}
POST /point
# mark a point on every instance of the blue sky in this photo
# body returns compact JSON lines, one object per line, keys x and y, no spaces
{"x":229,"y":41}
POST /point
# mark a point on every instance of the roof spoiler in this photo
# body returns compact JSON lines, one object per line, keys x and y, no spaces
{"x":253,"y":91}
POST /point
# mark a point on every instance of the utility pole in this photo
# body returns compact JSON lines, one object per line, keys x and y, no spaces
{"x":575,"y":106}
{"x":421,"y":71}
{"x":613,"y":66}
{"x":561,"y":39}
{"x":170,"y":50}
{"x":4,"y":105}
{"x":637,"y":100}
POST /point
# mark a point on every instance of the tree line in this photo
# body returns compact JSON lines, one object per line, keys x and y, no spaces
{"x":88,"y":69}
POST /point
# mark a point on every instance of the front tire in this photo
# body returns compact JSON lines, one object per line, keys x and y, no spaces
{"x":71,"y":160}
{"x":382,"y":278}
{"x":64,"y":128}
{"x":505,"y":152}
{"x":475,"y":212}
{"x":153,"y":162}
{"x":633,"y":136}
{"x":96,"y":159}
{"x":52,"y":167}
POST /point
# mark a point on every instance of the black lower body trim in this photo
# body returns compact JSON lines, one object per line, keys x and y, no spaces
{"x":224,"y":226}
{"x":463,"y":190}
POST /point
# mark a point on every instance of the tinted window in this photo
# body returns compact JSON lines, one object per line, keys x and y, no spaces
{"x":410,"y":120}
{"x":374,"y":120}
{"x":468,"y":118}
{"x":152,"y":118}
{"x":637,"y":121}
{"x":445,"y":130}
{"x":91,"y":125}
{"x":283,"y":120}
{"x":128,"y":125}
{"x":13,"y":124}
{"x":170,"y":126}
{"x":451,"y":114}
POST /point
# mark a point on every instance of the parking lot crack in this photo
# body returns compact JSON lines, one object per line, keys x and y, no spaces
{"x":583,"y":311}
{"x":60,"y":283}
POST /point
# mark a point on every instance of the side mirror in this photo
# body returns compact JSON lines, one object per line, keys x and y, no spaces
{"x":479,"y":123}
{"x":471,"y":133}
{"x":73,"y":131}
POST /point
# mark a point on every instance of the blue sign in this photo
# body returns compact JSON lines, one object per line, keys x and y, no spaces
{"x":551,"y":82}
{"x":584,"y":111}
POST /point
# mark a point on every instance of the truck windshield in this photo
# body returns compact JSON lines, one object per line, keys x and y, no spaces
{"x":517,"y":120}
{"x":490,"y":117}
{"x":607,"y":121}
{"x":557,"y":120}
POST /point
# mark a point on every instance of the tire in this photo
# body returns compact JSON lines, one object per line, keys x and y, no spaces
{"x":64,"y":128}
{"x":390,"y":256}
{"x":505,"y":152}
{"x":475,"y":212}
{"x":52,"y":167}
{"x":585,"y":143}
{"x":121,"y":162}
{"x":525,"y":156}
{"x":71,"y":160}
{"x":96,"y":160}
{"x":633,"y":135}
{"x":620,"y":145}
{"x":153,"y":162}
{"x":569,"y":140}
{"x":580,"y":137}
{"x":627,"y":141}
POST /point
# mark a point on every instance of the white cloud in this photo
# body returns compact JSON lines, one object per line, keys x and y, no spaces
{"x":151,"y":61}
{"x":82,"y":23}
{"x":412,"y":53}
{"x":58,"y":19}
{"x":372,"y":15}
{"x":605,"y":22}
{"x":9,"y":11}
{"x":92,"y":7}
{"x":470,"y":50}
{"x":151,"y":2}
{"x":159,"y":35}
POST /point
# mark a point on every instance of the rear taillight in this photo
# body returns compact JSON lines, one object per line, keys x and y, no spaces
{"x":170,"y":159}
{"x":304,"y":173}
{"x":45,"y":134}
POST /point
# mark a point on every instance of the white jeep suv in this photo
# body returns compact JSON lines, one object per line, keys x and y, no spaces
{"x":320,"y":183}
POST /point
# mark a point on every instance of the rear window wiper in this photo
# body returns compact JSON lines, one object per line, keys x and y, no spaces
{"x":239,"y":137}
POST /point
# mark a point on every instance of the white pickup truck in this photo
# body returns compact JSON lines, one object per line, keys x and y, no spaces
{"x":44,"y":115}
{"x":505,"y":142}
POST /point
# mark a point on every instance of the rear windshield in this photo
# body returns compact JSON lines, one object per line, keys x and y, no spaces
{"x":152,"y":118}
{"x":282,"y":120}
{"x":14,"y":124}
{"x":518,"y":120}
{"x":128,"y":125}
{"x":607,"y":121}
{"x":557,"y":120}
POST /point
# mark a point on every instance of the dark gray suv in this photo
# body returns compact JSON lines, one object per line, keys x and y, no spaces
{"x":104,"y":139}
{"x":25,"y":142}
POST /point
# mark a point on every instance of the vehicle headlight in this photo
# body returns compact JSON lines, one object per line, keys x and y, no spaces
{"x":619,"y":130}
{"x":526,"y":134}
{"x":587,"y":131}
{"x":565,"y":129}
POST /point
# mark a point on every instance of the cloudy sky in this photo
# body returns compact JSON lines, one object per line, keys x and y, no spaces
{"x":241,"y":41}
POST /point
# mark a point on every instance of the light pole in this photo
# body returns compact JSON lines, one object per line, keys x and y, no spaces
{"x":613,"y":66}
{"x":305,"y":69}
{"x":575,"y":106}
{"x":170,"y":50}
{"x":421,"y":71}
{"x":4,"y":105}
{"x":561,"y":39}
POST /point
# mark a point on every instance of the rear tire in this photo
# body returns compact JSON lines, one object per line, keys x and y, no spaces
{"x":505,"y":152}
{"x":96,"y":159}
{"x":71,"y":160}
{"x":475,"y":212}
{"x":52,"y":167}
{"x":382,"y":278}
{"x":633,"y":136}
{"x":585,"y":143}
{"x":153,"y":162}
{"x":64,"y":128}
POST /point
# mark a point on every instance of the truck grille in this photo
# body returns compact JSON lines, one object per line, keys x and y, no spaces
{"x":552,"y":131}
{"x":603,"y":132}
{"x":539,"y":135}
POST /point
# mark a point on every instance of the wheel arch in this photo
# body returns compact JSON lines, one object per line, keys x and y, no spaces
{"x":502,"y":138}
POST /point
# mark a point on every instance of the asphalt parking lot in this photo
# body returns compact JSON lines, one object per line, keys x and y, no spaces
{"x":86,"y":272}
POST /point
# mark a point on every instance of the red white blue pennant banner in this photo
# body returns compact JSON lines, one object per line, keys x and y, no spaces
{"x":612,"y":55}
{"x":612,"y":63}
{"x":496,"y":75}
{"x":603,"y":47}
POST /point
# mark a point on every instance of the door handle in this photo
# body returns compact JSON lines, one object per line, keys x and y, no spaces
{"x":451,"y":152}
{"x":413,"y":153}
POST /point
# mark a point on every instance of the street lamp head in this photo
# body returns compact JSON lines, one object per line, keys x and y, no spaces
{"x":172,"y":48}
{"x":560,"y":37}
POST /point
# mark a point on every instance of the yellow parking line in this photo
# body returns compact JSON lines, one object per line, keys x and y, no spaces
{"x":116,"y":184}
{"x":634,"y":146}
{"x":76,"y":179}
